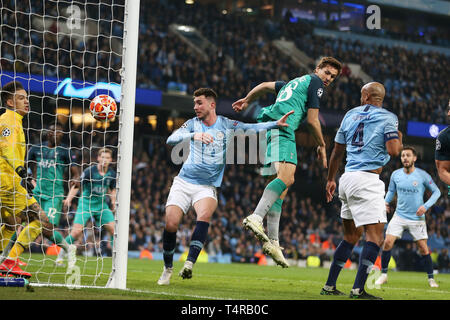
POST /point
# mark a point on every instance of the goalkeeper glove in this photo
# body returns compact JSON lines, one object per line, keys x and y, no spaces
{"x":26,"y":179}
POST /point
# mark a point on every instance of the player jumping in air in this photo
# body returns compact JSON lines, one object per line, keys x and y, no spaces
{"x":302,"y":95}
{"x":409,"y":183}
{"x":209,"y":136}
{"x":97,"y":182}
{"x":370,"y":136}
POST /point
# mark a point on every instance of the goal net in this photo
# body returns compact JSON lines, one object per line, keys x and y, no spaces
{"x":64,"y":53}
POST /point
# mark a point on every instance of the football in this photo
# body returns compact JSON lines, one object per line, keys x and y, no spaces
{"x":103,"y":108}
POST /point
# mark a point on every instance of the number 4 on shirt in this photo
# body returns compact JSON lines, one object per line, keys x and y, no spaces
{"x":358,"y":136}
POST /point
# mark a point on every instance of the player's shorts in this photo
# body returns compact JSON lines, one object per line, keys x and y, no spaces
{"x":86,"y":211}
{"x":417,"y":228}
{"x":281,"y":147}
{"x":184,"y":194}
{"x":52,"y":207}
{"x":13,"y":197}
{"x":362,"y":197}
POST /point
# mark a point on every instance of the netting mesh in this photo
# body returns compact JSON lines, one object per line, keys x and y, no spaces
{"x":64,"y":53}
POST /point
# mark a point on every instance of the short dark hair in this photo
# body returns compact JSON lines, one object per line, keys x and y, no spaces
{"x":330,"y":61}
{"x":8,"y":91}
{"x":413,"y":150}
{"x":207,"y":92}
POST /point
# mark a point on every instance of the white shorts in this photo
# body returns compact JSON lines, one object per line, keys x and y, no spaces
{"x":397,"y":225}
{"x":184,"y":194}
{"x":362,"y":197}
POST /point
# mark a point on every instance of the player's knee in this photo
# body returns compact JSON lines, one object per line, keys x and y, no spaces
{"x":287,"y":180}
{"x":352,"y":239}
{"x":388,"y":243}
{"x":423,"y":249}
{"x":76,"y":231}
{"x":47,"y":231}
{"x":171,"y":225}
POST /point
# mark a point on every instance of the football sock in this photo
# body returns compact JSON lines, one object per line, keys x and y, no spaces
{"x":169,"y":243}
{"x":273,"y":219}
{"x":367,"y":258}
{"x":197,"y":240}
{"x":5,"y":235}
{"x":28,"y":235}
{"x":59,"y":240}
{"x":69,"y":239}
{"x":428,"y":265}
{"x":341,"y":255}
{"x":385,"y":258}
{"x":271,"y":194}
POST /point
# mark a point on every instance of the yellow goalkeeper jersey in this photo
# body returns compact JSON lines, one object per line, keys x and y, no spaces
{"x":12,"y":142}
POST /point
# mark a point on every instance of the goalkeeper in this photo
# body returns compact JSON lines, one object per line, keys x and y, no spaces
{"x":13,"y":196}
{"x":49,"y":163}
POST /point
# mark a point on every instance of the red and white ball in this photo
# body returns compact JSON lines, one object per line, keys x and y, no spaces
{"x":103,"y":107}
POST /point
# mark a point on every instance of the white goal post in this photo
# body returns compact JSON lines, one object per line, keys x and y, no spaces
{"x":64,"y":53}
{"x":118,"y":277}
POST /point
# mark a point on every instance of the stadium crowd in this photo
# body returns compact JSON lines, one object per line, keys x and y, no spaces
{"x":415,"y":81}
{"x":415,"y":85}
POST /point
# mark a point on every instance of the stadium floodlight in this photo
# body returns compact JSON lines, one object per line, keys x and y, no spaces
{"x":65,"y":53}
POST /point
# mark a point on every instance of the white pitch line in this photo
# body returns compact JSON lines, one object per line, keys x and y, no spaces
{"x":73,"y":287}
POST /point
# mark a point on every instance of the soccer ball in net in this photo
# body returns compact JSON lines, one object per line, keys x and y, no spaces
{"x":103,"y":108}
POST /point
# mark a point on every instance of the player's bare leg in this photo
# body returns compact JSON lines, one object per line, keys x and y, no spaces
{"x":173,"y":217}
{"x":204,"y":209}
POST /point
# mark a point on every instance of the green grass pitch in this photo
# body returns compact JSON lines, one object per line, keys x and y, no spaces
{"x":212,"y":281}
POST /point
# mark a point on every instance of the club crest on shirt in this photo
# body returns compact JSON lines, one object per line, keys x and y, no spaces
{"x":415,"y":183}
{"x":220,"y":135}
{"x":6,"y":132}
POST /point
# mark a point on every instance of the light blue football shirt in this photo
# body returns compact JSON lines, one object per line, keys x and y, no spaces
{"x":365,"y":130}
{"x":205,"y":164}
{"x":410,"y":189}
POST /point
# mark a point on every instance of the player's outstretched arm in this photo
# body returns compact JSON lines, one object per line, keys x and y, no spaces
{"x":283,"y":119}
{"x":185,"y":132}
{"x":335,"y":160}
{"x":260,"y":90}
{"x":282,"y":122}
